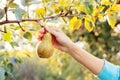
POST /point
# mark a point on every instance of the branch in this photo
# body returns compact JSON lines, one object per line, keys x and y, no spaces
{"x":2,"y":31}
{"x":118,"y":21}
{"x":69,"y":8}
{"x":11,"y":1}
{"x":36,"y":20}
{"x":21,"y":27}
{"x":6,"y":15}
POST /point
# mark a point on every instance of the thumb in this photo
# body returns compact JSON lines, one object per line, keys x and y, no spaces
{"x":47,"y":29}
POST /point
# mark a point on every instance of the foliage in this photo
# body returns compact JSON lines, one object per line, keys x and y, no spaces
{"x":90,"y":21}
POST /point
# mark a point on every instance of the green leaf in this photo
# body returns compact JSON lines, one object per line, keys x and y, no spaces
{"x":18,"y":13}
{"x":89,"y":7}
{"x":14,"y":44}
{"x":1,"y":47}
{"x":1,"y":58}
{"x":7,"y":37}
{"x":19,"y":60}
{"x":2,"y":12}
{"x":13,"y":60}
{"x":28,"y":35}
{"x":64,"y":20}
{"x":13,"y":5}
{"x":5,"y":29}
{"x":18,"y":16}
{"x":9,"y":68}
{"x":2,"y":73}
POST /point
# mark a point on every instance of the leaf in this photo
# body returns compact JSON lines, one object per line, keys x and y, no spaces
{"x":64,"y":20}
{"x":28,"y":35}
{"x":88,"y":7}
{"x":10,"y":67}
{"x":12,"y":60}
{"x":7,"y":37}
{"x":114,"y":8}
{"x":1,"y":47}
{"x":64,"y":3}
{"x":2,"y":73}
{"x":25,"y":2}
{"x":19,"y":59}
{"x":89,"y":25}
{"x":13,"y":5}
{"x":112,"y":20}
{"x":81,"y":8}
{"x":14,"y":44}
{"x":2,"y":12}
{"x":106,"y":2}
{"x":18,"y":13}
{"x":5,"y":29}
{"x":40,"y":12}
{"x":1,"y":58}
{"x":75,"y":23}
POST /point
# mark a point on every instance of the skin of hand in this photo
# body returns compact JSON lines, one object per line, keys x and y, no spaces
{"x":59,"y":39}
{"x":63,"y":43}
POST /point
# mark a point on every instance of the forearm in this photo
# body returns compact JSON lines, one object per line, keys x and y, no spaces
{"x":91,"y":62}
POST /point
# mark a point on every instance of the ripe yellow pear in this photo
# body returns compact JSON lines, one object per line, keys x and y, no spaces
{"x":45,"y":48}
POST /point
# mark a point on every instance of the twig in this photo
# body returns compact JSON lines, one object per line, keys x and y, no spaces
{"x":21,"y":27}
{"x":35,"y":20}
{"x":6,"y":9}
{"x":3,"y":31}
{"x":28,"y":12}
{"x":11,"y":1}
{"x":69,"y":9}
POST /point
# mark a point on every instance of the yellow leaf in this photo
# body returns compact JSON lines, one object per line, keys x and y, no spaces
{"x":106,"y":2}
{"x":100,"y":16}
{"x":112,"y":20}
{"x":81,"y":8}
{"x":101,"y":8}
{"x":40,"y":12}
{"x":89,"y":25}
{"x":97,"y":13}
{"x":7,"y":37}
{"x":64,"y":3}
{"x":75,"y":23}
{"x":115,"y":8}
{"x":109,"y":12}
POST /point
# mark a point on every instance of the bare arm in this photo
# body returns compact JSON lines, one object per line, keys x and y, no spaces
{"x":91,"y":62}
{"x":63,"y":43}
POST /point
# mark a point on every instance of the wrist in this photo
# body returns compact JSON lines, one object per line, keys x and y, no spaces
{"x":72,"y":48}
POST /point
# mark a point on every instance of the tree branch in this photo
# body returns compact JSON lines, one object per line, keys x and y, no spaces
{"x":11,"y":1}
{"x":21,"y":27}
{"x":2,"y":31}
{"x":6,"y":15}
{"x":36,"y":20}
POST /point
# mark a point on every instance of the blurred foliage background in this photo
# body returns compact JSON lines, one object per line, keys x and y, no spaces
{"x":91,"y":24}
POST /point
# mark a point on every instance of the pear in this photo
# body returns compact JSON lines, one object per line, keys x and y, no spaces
{"x":45,"y":48}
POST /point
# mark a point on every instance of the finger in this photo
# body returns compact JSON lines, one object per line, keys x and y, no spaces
{"x":47,"y":29}
{"x":42,"y":31}
{"x":40,"y":37}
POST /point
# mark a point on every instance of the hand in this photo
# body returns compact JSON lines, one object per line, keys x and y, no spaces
{"x":59,"y":39}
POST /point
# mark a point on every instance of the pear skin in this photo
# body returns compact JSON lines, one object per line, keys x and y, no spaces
{"x":45,"y":48}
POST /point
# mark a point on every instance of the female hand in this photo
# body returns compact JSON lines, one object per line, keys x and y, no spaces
{"x":59,"y":39}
